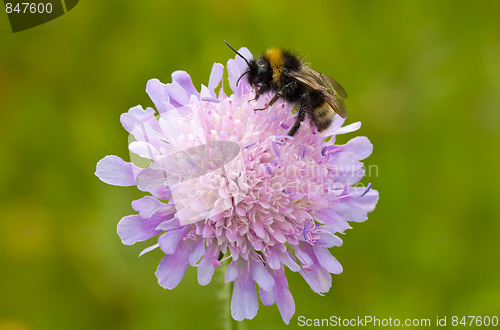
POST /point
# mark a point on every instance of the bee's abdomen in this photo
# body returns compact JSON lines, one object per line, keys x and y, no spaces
{"x":322,"y":116}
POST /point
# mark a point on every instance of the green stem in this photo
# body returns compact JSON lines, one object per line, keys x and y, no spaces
{"x":224,"y":296}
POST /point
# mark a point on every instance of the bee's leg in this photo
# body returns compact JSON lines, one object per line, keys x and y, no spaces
{"x":256,"y":97}
{"x":301,"y":116}
{"x":283,"y":91}
{"x":271,"y":102}
{"x":260,"y":90}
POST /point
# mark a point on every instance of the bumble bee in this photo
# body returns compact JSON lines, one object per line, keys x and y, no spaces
{"x":283,"y":73}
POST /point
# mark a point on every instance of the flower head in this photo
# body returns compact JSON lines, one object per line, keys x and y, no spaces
{"x":227,"y":182}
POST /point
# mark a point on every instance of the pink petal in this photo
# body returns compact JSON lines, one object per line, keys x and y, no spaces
{"x":173,"y":266}
{"x":171,"y":223}
{"x":198,"y":251}
{"x":147,"y":205}
{"x":349,"y":128}
{"x":171,"y":239}
{"x":154,"y":182}
{"x":328,"y":240}
{"x":244,"y":303}
{"x":184,"y":80}
{"x":207,"y":264}
{"x":334,"y":127}
{"x":149,"y":249}
{"x":114,"y":170}
{"x":367,"y":202}
{"x":143,"y":149}
{"x":136,"y":118}
{"x":327,"y":260}
{"x":289,"y":260}
{"x":318,"y":278}
{"x":283,"y":297}
{"x":134,"y":228}
{"x":232,"y":271}
{"x":350,"y":212}
{"x":272,"y":258}
{"x":360,"y":146}
{"x":157,"y":91}
{"x":329,"y":217}
{"x":347,"y":168}
{"x":215,"y":76}
{"x":261,"y":275}
{"x":267,"y":297}
{"x":177,"y":94}
{"x":235,"y":68}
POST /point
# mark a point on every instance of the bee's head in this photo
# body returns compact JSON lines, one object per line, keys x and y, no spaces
{"x":259,"y":71}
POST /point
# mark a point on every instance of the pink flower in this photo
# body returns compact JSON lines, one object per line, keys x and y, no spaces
{"x":227,"y":181}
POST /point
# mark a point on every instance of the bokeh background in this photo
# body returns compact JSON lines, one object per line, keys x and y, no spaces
{"x":422,"y":76}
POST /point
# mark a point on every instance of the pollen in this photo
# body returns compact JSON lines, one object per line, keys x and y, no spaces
{"x":276,"y":60}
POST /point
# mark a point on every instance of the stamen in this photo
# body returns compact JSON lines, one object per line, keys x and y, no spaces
{"x":368,"y":187}
{"x":305,"y":228}
{"x":329,"y":150}
{"x":250,"y":145}
{"x":192,"y":163}
{"x":276,"y":161}
{"x":191,"y":235}
{"x":285,"y":136}
{"x":258,"y":257}
{"x":367,"y":190}
{"x":302,"y":152}
{"x":301,"y":260}
{"x":275,"y":148}
{"x":271,"y":116}
{"x":268,"y":168}
{"x":210,"y":99}
{"x":224,"y":259}
{"x":275,"y":140}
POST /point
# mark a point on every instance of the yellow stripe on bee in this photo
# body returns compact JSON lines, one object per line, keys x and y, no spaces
{"x":275,"y":57}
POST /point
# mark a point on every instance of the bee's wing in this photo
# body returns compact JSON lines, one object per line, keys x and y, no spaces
{"x":334,"y":93}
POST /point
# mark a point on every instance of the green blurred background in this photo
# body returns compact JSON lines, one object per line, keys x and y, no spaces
{"x":422,"y":76}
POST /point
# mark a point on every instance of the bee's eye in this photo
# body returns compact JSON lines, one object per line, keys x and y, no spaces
{"x":259,"y":71}
{"x":262,"y":66}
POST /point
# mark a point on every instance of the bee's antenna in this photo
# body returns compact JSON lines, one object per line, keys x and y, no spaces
{"x":237,"y":53}
{"x":244,"y":73}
